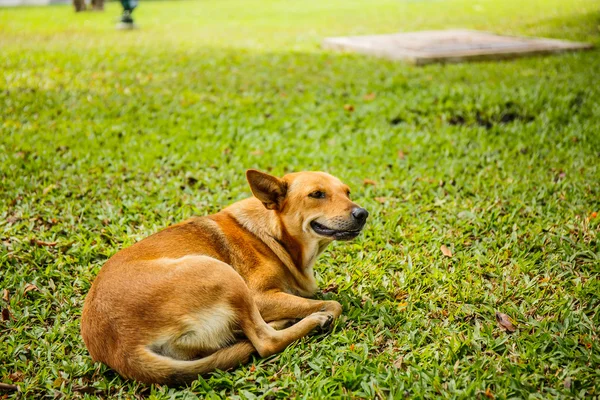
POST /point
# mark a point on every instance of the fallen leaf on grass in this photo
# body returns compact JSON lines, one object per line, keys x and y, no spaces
{"x":398,"y":362}
{"x":381,"y":200}
{"x":42,"y":243}
{"x":505,"y":322}
{"x":368,"y":182}
{"x":446,"y":251}
{"x":257,"y":152}
{"x":331,"y":288}
{"x":16,"y":376}
{"x":29,"y":287}
{"x":400,"y":295}
{"x":370,"y":96}
{"x":488,"y":393}
{"x":401,"y":155}
{"x":5,"y":314}
{"x":593,"y":215}
{"x":6,"y":295}
{"x":348,"y":107}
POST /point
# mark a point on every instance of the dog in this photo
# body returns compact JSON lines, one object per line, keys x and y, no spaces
{"x":167,"y":309}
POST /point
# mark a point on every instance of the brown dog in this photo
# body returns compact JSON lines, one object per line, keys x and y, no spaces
{"x":167,"y":308}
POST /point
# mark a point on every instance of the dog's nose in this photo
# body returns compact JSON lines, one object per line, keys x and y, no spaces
{"x":360,"y":214}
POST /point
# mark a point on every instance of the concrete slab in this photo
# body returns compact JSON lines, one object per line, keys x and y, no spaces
{"x":449,"y":46}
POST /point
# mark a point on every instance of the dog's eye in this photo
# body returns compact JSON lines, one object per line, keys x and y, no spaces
{"x":317,"y":194}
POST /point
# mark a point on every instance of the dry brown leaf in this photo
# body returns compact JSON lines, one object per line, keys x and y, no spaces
{"x":348,"y":107}
{"x":401,"y":155}
{"x":6,"y":295}
{"x":446,"y":251}
{"x":370,"y":96}
{"x":400,"y":295}
{"x":505,"y":322}
{"x":488,"y":393}
{"x":5,"y":314}
{"x":257,"y":152}
{"x":367,"y":182}
{"x":331,"y":288}
{"x":42,"y":243}
{"x":398,"y":362}
{"x":381,"y":200}
{"x":29,"y":287}
{"x":16,"y":376}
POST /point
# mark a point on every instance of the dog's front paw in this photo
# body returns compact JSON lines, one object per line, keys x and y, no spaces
{"x":324,"y":320}
{"x":333,"y":307}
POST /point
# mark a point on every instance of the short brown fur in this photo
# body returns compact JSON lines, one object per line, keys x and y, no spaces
{"x":167,"y":309}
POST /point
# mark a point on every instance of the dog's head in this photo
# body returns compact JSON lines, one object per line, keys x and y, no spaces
{"x":311,"y":205}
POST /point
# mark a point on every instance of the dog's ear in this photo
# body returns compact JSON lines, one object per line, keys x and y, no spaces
{"x":268,"y":189}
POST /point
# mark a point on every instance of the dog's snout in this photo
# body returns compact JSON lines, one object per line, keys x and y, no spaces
{"x":360,"y":214}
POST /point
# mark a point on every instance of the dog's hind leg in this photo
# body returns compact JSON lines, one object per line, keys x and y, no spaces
{"x":265,"y":338}
{"x":212,"y":300}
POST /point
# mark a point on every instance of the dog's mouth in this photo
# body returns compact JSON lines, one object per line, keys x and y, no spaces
{"x":336,"y":234}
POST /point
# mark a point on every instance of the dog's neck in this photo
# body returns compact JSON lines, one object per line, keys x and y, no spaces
{"x":298,"y":257}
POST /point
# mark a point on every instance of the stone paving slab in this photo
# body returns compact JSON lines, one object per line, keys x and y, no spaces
{"x":449,"y":46}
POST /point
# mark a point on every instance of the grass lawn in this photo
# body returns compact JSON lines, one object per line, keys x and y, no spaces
{"x":106,"y":137}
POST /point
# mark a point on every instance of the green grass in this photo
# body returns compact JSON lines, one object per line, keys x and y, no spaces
{"x":104,"y":134}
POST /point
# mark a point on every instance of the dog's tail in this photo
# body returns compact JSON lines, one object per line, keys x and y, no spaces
{"x":150,"y":367}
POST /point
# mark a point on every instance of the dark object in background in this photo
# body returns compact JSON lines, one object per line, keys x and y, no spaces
{"x":126,"y":21}
{"x":97,"y":5}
